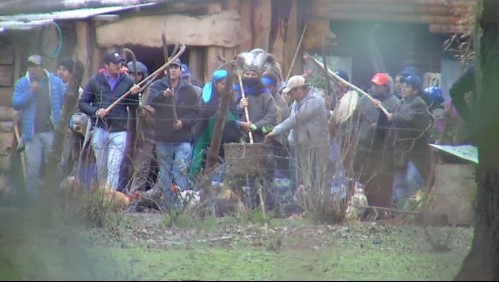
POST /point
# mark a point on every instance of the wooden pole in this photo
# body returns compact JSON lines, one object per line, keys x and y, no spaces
{"x":332,"y":75}
{"x":52,"y":178}
{"x":20,"y":148}
{"x":246,"y":114}
{"x":212,"y":154}
{"x":166,"y":57}
{"x":148,"y":80}
{"x":296,"y":52}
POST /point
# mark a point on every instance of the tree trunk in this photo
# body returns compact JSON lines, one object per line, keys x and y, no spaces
{"x":52,"y":178}
{"x":482,"y":263}
{"x":216,"y":141}
{"x":214,"y":148}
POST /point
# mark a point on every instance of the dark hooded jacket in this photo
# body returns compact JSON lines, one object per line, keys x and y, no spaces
{"x":186,"y":107}
{"x":98,"y":94}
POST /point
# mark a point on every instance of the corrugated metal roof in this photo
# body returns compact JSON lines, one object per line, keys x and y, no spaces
{"x":29,"y":21}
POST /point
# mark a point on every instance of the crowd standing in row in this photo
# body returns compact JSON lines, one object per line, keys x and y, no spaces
{"x":382,"y":141}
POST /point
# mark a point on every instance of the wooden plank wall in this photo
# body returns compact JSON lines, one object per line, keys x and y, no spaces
{"x":441,"y":16}
{"x":7,"y":69}
{"x":274,"y":26}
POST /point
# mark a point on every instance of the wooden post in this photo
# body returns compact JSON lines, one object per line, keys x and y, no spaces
{"x":262,"y":17}
{"x":291,"y":37}
{"x":52,"y":177}
{"x":296,"y":52}
{"x":246,"y":114}
{"x":216,"y":141}
{"x":482,"y":260}
{"x":246,"y":12}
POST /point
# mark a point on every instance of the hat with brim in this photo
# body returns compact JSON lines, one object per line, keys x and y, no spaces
{"x":35,"y":60}
{"x":412,"y":80}
{"x":293,"y":82}
{"x":381,"y":79}
{"x":185,"y":71}
{"x":177,"y":62}
{"x":112,"y":57}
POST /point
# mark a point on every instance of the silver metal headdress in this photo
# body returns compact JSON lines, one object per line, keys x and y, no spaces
{"x":256,"y":60}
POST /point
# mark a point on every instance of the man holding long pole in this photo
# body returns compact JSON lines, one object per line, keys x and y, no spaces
{"x":109,"y":136}
{"x":173,"y":130}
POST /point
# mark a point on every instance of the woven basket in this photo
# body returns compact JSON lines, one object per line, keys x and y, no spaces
{"x":243,"y":159}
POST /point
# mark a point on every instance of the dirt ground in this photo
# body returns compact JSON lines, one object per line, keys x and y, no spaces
{"x":144,"y":246}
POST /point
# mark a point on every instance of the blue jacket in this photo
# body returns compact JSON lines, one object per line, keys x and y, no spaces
{"x":23,"y":100}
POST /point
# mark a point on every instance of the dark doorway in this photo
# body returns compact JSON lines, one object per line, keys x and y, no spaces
{"x":153,"y":57}
{"x":395,"y":45}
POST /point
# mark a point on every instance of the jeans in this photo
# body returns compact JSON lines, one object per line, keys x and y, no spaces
{"x":35,"y":155}
{"x":109,"y":150}
{"x":308,"y":165}
{"x":173,"y":159}
{"x":406,"y":182}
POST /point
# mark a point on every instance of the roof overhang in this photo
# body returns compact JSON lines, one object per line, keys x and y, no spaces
{"x":30,"y":21}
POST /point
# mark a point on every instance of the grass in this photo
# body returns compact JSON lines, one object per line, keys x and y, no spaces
{"x":306,"y":252}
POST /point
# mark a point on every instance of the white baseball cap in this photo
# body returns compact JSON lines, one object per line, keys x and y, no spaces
{"x":293,"y":82}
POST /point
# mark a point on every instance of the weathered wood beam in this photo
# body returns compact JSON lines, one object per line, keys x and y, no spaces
{"x":417,"y":2}
{"x":196,"y":63}
{"x":85,"y":46}
{"x":6,"y":96}
{"x":29,"y":6}
{"x":279,"y":46}
{"x":404,"y":8}
{"x":212,"y":52}
{"x":221,"y":29}
{"x":246,"y":12}
{"x":386,"y":17}
{"x":317,"y":28}
{"x":262,"y":16}
{"x":293,"y":31}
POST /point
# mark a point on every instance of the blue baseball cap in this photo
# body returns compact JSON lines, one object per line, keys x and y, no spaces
{"x":436,"y":95}
{"x":413,"y":81}
{"x":410,"y":70}
{"x":343,"y":74}
{"x":185,"y":71}
{"x":141,"y":68}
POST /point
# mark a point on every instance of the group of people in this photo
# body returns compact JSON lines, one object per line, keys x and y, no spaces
{"x":171,"y":122}
{"x":388,"y":135}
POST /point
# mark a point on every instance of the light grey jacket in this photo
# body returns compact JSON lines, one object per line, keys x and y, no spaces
{"x":307,"y":122}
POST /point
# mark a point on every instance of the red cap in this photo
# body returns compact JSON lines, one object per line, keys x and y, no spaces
{"x":381,"y":79}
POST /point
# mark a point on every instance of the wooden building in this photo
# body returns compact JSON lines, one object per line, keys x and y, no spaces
{"x":370,"y":35}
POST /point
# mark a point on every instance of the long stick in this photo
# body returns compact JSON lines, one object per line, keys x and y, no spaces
{"x":296,"y":52}
{"x":150,"y":77}
{"x":134,"y":61}
{"x":386,"y":209}
{"x":165,"y":56}
{"x":20,"y":144}
{"x":132,"y":122}
{"x":332,"y":75}
{"x":246,"y":114}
